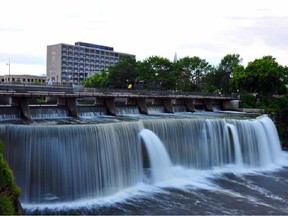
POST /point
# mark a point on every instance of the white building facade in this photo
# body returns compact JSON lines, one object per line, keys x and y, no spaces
{"x":71,"y":64}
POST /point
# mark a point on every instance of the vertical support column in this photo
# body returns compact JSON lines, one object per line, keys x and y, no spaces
{"x":142,"y":107}
{"x":189,"y":104}
{"x":208,"y":105}
{"x":61,"y":101}
{"x":110,"y":106}
{"x":71,"y":104}
{"x":23,"y":103}
{"x":168,"y":106}
{"x":229,"y":105}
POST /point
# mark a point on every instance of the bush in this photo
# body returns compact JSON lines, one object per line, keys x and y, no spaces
{"x":9,"y":191}
{"x":248,"y":101}
{"x":6,"y":206}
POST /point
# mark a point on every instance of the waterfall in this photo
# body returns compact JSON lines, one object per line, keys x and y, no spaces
{"x":58,"y":163}
{"x":272,"y":137}
{"x":202,"y":143}
{"x":158,"y":157}
{"x":259,"y":141}
{"x":234,"y":141}
{"x":127,"y":110}
{"x":48,"y":112}
{"x":91,"y":111}
{"x":67,"y":163}
{"x":9,"y":113}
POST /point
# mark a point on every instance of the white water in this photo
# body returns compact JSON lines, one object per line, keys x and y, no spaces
{"x":236,"y":144}
{"x":159,"y":159}
{"x":69,"y":163}
{"x":48,"y":112}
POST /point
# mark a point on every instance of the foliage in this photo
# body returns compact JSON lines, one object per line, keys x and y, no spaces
{"x":224,"y":72}
{"x":9,"y":191}
{"x":97,"y":80}
{"x":191,"y":72}
{"x":248,"y":101}
{"x":154,"y":69}
{"x":6,"y":206}
{"x":263,"y":76}
{"x":37,"y":82}
{"x":122,"y":73}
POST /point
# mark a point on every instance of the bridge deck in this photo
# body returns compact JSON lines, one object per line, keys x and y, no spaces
{"x":55,"y":91}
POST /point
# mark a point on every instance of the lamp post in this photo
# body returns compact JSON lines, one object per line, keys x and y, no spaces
{"x":9,"y":70}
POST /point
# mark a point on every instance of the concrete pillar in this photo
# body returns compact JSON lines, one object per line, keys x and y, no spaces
{"x":189,"y":104}
{"x":142,"y":107}
{"x":167,"y":103}
{"x":230,"y":105}
{"x":23,"y":103}
{"x":208,"y":105}
{"x":110,"y":106}
{"x":51,"y":100}
{"x":71,"y":104}
{"x":61,"y":101}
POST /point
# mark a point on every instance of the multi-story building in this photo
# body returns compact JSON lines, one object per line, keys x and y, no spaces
{"x":23,"y":79}
{"x":71,"y":64}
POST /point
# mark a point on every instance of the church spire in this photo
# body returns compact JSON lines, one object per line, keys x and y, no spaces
{"x":175,"y":57}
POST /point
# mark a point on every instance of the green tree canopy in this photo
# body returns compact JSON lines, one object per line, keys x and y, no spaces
{"x":264,"y":76}
{"x":97,"y":80}
{"x":122,"y":73}
{"x":191,"y":72}
{"x":156,"y":68}
{"x":224,"y":72}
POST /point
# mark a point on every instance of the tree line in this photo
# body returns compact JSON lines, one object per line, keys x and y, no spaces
{"x":264,"y":76}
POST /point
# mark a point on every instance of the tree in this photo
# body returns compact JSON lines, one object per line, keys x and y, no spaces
{"x":122,"y":73}
{"x":225,"y":70}
{"x":263,"y":76}
{"x":191,"y":72}
{"x":156,"y":69}
{"x":97,"y":80}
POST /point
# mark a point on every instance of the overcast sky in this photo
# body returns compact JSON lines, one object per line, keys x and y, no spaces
{"x":209,"y":29}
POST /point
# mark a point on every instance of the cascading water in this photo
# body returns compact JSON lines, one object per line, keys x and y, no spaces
{"x":48,"y":112}
{"x":233,"y":138}
{"x":9,"y":113}
{"x":73,"y":162}
{"x":67,"y":163}
{"x":158,"y":157}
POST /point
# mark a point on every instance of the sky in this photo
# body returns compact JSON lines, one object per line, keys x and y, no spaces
{"x":209,"y":29}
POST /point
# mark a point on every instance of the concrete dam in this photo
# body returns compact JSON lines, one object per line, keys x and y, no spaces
{"x":21,"y":101}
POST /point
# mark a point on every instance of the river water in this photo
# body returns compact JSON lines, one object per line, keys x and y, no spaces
{"x":201,"y":163}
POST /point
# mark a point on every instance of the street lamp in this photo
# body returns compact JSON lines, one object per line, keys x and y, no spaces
{"x":9,"y":69}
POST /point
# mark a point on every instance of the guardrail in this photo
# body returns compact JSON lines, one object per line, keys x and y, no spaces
{"x":19,"y":88}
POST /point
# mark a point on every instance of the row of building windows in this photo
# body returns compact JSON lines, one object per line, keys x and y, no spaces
{"x":71,"y":75}
{"x":94,"y":60}
{"x":82,"y":68}
{"x":95,"y":46}
{"x":76,"y":58}
{"x":22,"y":79}
{"x":65,"y":64}
{"x":92,"y":55}
{"x":90,"y":51}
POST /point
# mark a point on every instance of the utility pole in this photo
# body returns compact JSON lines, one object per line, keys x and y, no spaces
{"x":9,"y":70}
